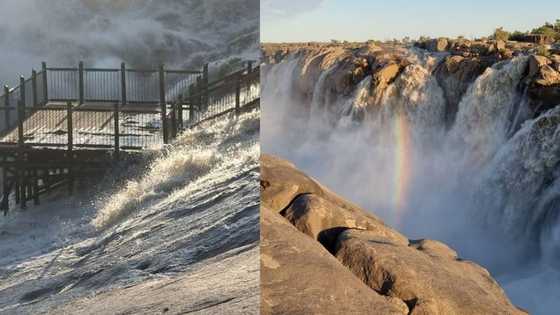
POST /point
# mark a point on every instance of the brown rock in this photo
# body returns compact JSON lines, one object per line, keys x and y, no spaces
{"x":455,"y":75}
{"x":374,"y":270}
{"x":282,"y":182}
{"x":298,"y":276}
{"x":535,"y":64}
{"x":429,"y":279}
{"x":438,"y":44}
{"x":323,"y":220}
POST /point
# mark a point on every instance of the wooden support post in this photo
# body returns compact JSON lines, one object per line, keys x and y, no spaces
{"x":5,"y":192}
{"x":123,"y":84}
{"x":81,"y":83}
{"x":45,"y":83}
{"x":248,"y":86}
{"x":23,"y":190}
{"x":117,"y":133}
{"x":34,"y":87}
{"x":7,"y":107}
{"x":238,"y":94}
{"x":70,"y":127}
{"x":163,"y":104}
{"x":35,"y":188}
{"x":70,"y":154}
{"x":249,"y":66}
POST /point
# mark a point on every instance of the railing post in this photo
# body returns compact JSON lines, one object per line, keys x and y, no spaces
{"x":192,"y":90}
{"x":45,"y":84}
{"x":20,"y":172}
{"x":123,"y":84}
{"x":20,"y":117}
{"x":117,"y":133}
{"x":198,"y":91}
{"x":7,"y":106}
{"x":163,"y":104}
{"x":81,"y":83}
{"x":204,"y":87}
{"x":34,"y":87}
{"x":70,"y":154}
{"x":22,"y":89}
{"x":237,"y":94}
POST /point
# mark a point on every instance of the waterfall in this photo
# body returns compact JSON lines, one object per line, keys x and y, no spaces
{"x":489,"y":184}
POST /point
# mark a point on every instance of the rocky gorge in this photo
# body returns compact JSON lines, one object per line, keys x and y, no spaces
{"x":452,"y":140}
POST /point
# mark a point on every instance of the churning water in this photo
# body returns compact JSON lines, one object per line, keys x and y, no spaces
{"x":189,"y":220}
{"x":489,"y":184}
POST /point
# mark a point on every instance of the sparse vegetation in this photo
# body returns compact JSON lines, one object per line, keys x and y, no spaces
{"x":501,"y":34}
{"x":551,"y":30}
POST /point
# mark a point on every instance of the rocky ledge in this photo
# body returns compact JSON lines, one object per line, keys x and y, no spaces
{"x":456,"y":64}
{"x":321,"y":254}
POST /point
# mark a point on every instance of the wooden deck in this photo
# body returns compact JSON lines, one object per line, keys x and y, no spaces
{"x":57,"y":142}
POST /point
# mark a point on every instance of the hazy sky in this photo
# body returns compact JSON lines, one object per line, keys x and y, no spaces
{"x":322,"y":20}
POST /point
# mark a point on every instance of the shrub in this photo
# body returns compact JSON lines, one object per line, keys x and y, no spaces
{"x":501,"y":34}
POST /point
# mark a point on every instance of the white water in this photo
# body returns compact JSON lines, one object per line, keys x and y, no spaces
{"x":488,"y":186}
{"x":195,"y":206}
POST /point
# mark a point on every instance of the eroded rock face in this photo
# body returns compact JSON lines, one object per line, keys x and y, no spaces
{"x":427,"y":276}
{"x":298,"y":276}
{"x":455,"y":74}
{"x":543,"y":83}
{"x":323,"y":255}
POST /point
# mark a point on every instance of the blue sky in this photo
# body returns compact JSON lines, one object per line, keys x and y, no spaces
{"x":323,"y":20}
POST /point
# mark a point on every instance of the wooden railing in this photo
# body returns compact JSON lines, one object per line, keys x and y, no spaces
{"x":118,"y":109}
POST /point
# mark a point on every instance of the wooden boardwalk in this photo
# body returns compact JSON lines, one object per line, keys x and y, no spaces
{"x":65,"y":124}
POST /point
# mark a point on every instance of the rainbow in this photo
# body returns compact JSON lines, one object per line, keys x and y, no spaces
{"x":402,"y":164}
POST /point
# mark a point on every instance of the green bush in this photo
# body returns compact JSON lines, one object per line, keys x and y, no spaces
{"x":501,"y":34}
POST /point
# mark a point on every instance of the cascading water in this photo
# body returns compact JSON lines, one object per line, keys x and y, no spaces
{"x":191,"y":219}
{"x":489,"y":184}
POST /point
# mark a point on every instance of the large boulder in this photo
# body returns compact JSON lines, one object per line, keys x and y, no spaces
{"x":438,"y":44}
{"x":323,"y":220}
{"x":455,"y":74}
{"x":323,"y":255}
{"x":282,"y":182}
{"x":543,"y":84}
{"x":427,"y":276}
{"x":298,"y":276}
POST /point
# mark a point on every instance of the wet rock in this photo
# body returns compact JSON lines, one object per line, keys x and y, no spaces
{"x":455,"y":74}
{"x":543,"y":84}
{"x":536,"y":62}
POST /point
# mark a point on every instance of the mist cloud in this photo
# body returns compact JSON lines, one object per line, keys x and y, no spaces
{"x":139,"y":32}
